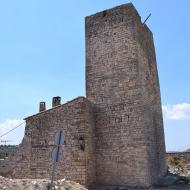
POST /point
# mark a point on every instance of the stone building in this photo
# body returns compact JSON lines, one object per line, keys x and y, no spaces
{"x":119,"y":122}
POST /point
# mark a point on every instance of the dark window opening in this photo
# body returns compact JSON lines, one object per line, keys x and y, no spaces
{"x":104,"y":13}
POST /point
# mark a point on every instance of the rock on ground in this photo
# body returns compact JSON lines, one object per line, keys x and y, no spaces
{"x":37,"y":184}
{"x":42,"y":184}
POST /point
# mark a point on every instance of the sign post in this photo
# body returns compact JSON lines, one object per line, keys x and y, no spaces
{"x":56,"y":153}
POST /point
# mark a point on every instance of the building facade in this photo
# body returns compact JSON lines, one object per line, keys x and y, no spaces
{"x":119,"y":120}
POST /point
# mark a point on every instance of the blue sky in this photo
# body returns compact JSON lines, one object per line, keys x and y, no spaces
{"x":42,"y":54}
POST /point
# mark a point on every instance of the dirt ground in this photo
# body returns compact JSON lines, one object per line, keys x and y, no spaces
{"x":179,"y":187}
{"x":186,"y":187}
{"x":37,"y":184}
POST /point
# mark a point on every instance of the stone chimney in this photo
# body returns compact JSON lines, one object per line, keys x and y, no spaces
{"x":42,"y":106}
{"x":56,"y":101}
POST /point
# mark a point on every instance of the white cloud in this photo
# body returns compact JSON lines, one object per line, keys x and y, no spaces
{"x":9,"y":124}
{"x":176,"y":111}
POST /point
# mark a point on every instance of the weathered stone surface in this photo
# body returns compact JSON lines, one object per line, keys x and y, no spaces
{"x":33,"y":157}
{"x":122,"y":82}
{"x":120,"y":120}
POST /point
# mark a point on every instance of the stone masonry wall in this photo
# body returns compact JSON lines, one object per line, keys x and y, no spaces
{"x":17,"y":164}
{"x":182,"y":155}
{"x":76,"y":120}
{"x":152,"y":102}
{"x":129,"y":128}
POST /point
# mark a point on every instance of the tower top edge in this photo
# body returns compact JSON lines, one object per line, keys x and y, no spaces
{"x":127,"y":7}
{"x":123,"y":10}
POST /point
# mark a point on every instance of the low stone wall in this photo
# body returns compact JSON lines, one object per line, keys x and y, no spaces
{"x":181,"y":155}
{"x":18,"y":162}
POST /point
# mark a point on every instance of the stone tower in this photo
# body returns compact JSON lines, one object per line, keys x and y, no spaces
{"x":114,"y":135}
{"x":122,"y":82}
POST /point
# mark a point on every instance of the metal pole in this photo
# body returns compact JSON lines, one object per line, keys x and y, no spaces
{"x":56,"y":160}
{"x":53,"y":176}
{"x":147,"y":18}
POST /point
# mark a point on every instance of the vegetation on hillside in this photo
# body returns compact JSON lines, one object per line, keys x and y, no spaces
{"x":5,"y":150}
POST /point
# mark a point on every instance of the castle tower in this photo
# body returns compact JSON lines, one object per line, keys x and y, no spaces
{"x":122,"y":81}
